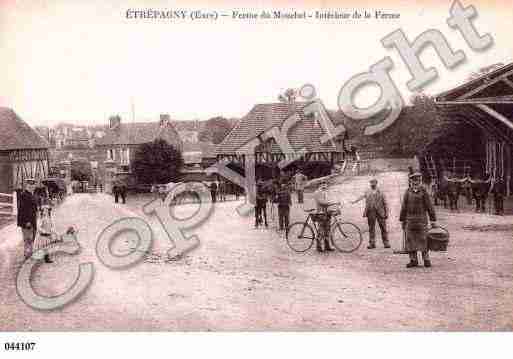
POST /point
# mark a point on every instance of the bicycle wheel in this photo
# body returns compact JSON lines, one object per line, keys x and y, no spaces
{"x":300,"y":237}
{"x":346,"y":237}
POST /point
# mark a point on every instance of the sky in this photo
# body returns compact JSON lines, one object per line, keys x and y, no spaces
{"x":82,"y":61}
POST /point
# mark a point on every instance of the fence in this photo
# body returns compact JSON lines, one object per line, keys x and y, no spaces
{"x":9,"y":208}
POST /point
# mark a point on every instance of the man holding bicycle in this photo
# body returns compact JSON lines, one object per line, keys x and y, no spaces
{"x":322,"y":201}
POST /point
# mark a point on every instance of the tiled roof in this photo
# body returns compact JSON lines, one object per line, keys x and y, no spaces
{"x":306,"y":134}
{"x":192,"y":125}
{"x":136,"y":133}
{"x":15,"y":134}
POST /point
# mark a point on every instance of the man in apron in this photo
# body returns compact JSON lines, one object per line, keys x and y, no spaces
{"x":415,"y":210}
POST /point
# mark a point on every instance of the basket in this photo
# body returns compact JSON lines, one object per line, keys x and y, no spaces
{"x":438,"y":239}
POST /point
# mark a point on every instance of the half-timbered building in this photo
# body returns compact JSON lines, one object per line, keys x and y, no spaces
{"x":23,"y":152}
{"x":304,"y":138}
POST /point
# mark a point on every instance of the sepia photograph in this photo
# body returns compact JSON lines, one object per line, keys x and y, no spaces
{"x":335,"y":166}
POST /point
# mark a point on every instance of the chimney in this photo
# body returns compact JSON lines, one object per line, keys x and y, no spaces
{"x":114,"y":122}
{"x":165,"y":119}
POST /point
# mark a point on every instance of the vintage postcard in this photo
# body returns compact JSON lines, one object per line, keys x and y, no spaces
{"x":337,"y":165}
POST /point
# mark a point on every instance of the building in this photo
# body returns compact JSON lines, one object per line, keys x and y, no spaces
{"x":305,"y":135}
{"x":197,"y":157}
{"x":189,"y":130}
{"x":23,"y":152}
{"x":475,"y":128}
{"x":121,"y":140}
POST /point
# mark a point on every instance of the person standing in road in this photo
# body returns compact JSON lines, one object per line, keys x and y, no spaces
{"x":284,"y":202}
{"x":415,"y":210}
{"x":27,"y":217}
{"x":323,"y":202}
{"x":116,"y":190}
{"x":123,"y":192}
{"x":300,"y":180}
{"x":376,"y":210}
{"x":213,"y":191}
{"x":261,"y":203}
{"x":499,"y":191}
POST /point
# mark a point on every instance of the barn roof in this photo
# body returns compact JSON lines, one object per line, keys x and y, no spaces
{"x":478,"y":85}
{"x":16,"y":134}
{"x":485,"y":102}
{"x":306,"y":134}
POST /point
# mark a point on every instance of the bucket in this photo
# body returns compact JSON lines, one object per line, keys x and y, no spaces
{"x":438,"y":239}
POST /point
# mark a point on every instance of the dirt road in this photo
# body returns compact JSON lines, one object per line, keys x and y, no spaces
{"x":246,"y":279}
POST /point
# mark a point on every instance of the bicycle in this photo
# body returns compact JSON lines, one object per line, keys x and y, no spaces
{"x":346,"y":237}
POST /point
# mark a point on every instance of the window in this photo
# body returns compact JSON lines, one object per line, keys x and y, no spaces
{"x":111,"y":155}
{"x":125,"y":156}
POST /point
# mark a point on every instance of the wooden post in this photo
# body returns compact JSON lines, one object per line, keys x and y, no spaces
{"x":15,"y":203}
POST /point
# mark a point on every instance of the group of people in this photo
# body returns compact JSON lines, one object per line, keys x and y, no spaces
{"x":119,"y":189}
{"x":417,"y":215}
{"x":220,"y":189}
{"x":476,"y":190}
{"x":276,"y":193}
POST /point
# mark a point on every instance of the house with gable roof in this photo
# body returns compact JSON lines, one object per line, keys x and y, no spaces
{"x":23,"y":152}
{"x":121,"y":141}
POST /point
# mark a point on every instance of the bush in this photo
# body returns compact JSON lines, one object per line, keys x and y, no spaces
{"x":157,"y":162}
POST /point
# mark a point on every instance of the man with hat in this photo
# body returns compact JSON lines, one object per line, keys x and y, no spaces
{"x":376,"y":210}
{"x":27,"y":217}
{"x":415,"y":210}
{"x":284,"y":202}
{"x":260,"y":205}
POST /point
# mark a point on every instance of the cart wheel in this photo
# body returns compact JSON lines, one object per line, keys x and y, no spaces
{"x":300,"y":237}
{"x":346,"y":237}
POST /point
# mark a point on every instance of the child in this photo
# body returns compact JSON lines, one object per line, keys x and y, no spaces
{"x":46,"y":234}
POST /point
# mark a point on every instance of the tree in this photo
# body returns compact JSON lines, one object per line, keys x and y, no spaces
{"x":157,"y":162}
{"x":215,"y":130}
{"x":81,"y":171}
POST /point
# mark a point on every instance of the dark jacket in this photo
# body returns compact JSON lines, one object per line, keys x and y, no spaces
{"x":27,"y":210}
{"x":417,"y":206}
{"x":499,"y":189}
{"x":261,"y":196}
{"x":283,"y":198}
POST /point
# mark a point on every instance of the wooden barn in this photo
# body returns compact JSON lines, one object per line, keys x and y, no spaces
{"x":23,"y":152}
{"x":475,"y":128}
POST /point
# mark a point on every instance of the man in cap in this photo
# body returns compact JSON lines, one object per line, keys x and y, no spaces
{"x":376,"y":210}
{"x":415,"y":210}
{"x":284,"y":202}
{"x":27,"y":217}
{"x":260,"y":205}
{"x":322,"y":200}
